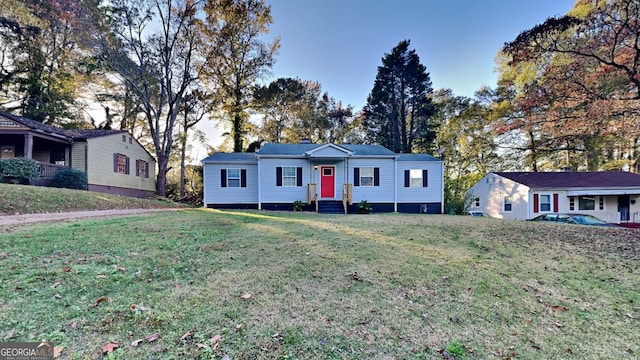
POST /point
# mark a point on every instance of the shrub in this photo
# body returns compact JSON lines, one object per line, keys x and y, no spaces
{"x":18,"y":170}
{"x":70,"y":178}
{"x":364,"y":207}
{"x":298,"y":205}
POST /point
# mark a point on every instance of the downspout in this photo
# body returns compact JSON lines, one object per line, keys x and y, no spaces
{"x":442,"y":187}
{"x":259,"y":189}
{"x":395,"y":184}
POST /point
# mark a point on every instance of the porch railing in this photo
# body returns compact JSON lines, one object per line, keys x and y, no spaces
{"x":347,"y":196}
{"x":312,"y":194}
{"x":47,"y":170}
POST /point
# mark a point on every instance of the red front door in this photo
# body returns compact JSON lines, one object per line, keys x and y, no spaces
{"x":327,"y":182}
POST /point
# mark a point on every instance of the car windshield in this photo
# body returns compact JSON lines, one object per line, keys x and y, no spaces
{"x":588,"y":220}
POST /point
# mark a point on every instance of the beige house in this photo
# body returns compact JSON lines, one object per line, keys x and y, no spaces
{"x":113,"y":160}
{"x":613,"y":196}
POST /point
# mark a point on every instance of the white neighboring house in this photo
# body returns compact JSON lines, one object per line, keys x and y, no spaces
{"x":337,"y":176}
{"x":613,"y":196}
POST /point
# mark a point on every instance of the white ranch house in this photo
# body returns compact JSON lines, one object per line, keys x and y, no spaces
{"x":325,"y":177}
{"x":613,"y":196}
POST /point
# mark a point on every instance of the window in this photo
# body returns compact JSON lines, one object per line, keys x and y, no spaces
{"x":586,"y":203}
{"x":601,"y":202}
{"x":366,"y":176}
{"x":288,"y":176}
{"x":508,"y":204}
{"x":233,"y":177}
{"x":124,"y":138}
{"x":477,"y":202}
{"x":415,"y":178}
{"x":572,"y":204}
{"x":130,"y":141}
{"x":120,"y":164}
{"x":545,"y":202}
{"x":142,"y":168}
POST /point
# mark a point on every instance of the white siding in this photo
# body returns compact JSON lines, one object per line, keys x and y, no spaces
{"x":100,"y":162}
{"x":79,"y":156}
{"x":214,"y":193}
{"x":492,"y":189}
{"x":271,"y":193}
{"x":374,"y":194}
{"x":430,"y":194}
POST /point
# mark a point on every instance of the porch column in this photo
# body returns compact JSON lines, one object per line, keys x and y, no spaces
{"x":28,"y":146}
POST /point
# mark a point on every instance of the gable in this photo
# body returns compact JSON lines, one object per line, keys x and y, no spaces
{"x":328,"y":151}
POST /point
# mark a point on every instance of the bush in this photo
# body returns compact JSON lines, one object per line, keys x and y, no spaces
{"x":70,"y":178}
{"x":298,"y":205}
{"x":364,"y":207}
{"x":18,"y":170}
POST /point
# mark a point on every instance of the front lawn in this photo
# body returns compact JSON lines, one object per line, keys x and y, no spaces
{"x":210,"y":284}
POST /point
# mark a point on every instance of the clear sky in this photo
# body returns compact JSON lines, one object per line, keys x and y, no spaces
{"x":340,"y":43}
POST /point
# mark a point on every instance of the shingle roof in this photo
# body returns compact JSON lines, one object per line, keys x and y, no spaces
{"x":417,"y":157}
{"x":301,"y":149}
{"x":574,"y":179}
{"x":230,"y":157}
{"x":76,"y":134}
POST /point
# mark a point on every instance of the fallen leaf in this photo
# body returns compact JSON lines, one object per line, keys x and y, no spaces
{"x":215,"y":339}
{"x":559,"y":308}
{"x":56,"y":284}
{"x":120,"y":268}
{"x":152,"y":337}
{"x":135,"y":343}
{"x":67,"y":269}
{"x":74,"y":324}
{"x":10,"y":334}
{"x":186,"y":335}
{"x":101,"y":276}
{"x":4,"y":255}
{"x":100,"y":299}
{"x":226,"y":357}
{"x":110,"y":347}
{"x":557,"y":324}
{"x":203,"y":346}
{"x":57,"y":351}
{"x":246,"y":296}
{"x":57,"y":296}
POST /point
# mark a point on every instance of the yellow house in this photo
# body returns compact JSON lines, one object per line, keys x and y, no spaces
{"x":113,"y":160}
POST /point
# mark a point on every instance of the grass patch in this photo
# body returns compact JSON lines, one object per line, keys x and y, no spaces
{"x":25,"y":199}
{"x":306,"y":286}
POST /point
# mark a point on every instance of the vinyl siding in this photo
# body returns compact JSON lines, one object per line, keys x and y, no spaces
{"x":431,"y":193}
{"x":100,"y":163}
{"x":214,"y":193}
{"x":271,"y":193}
{"x":374,"y":194}
{"x":79,"y":156}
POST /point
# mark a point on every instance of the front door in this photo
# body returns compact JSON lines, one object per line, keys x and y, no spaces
{"x":327,"y":182}
{"x":7,"y":152}
{"x":623,"y":207}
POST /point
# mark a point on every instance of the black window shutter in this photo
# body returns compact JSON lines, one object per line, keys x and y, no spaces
{"x":376,"y":176}
{"x":425,"y":178}
{"x":127,"y":168}
{"x":356,"y":176}
{"x":223,"y":177}
{"x":146,"y":170}
{"x":407,"y":178}
{"x":279,"y":176}
{"x":243,"y":178}
{"x":115,"y":162}
{"x":299,"y":176}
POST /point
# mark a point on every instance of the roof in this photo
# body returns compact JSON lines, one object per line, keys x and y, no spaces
{"x":417,"y":157}
{"x":301,"y":149}
{"x":599,"y":179}
{"x":230,"y":157}
{"x":75,"y":134}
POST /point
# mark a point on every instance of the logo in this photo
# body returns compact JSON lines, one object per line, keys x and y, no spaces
{"x":26,"y":350}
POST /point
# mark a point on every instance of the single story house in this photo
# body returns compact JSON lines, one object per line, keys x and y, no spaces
{"x":324,"y":177}
{"x":610,"y":195}
{"x":114,"y":161}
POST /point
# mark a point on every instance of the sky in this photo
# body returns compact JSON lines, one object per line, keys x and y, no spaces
{"x":341,"y":43}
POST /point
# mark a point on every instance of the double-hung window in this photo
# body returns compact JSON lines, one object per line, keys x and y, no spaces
{"x":545,"y":202}
{"x":289,"y":176}
{"x":508,"y":204}
{"x":233,"y":177}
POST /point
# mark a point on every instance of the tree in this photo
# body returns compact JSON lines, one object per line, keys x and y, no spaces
{"x":159,"y":67}
{"x":277,"y":102}
{"x":238,"y":57}
{"x":399,"y":107}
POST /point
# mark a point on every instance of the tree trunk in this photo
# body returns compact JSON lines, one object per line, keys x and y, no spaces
{"x":183,"y":154}
{"x":161,"y":181}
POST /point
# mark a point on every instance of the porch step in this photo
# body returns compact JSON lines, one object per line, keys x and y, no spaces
{"x":330,"y":207}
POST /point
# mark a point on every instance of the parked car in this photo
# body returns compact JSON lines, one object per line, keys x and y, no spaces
{"x":569,"y":218}
{"x":476,"y":213}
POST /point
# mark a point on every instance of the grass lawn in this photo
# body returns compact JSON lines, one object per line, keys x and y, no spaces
{"x":204,"y":284}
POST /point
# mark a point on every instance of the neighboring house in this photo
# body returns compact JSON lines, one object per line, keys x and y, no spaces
{"x":321,"y":175}
{"x":610,"y":195}
{"x":113,"y":160}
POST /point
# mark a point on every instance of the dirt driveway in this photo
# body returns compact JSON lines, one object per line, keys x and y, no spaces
{"x":8,"y":222}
